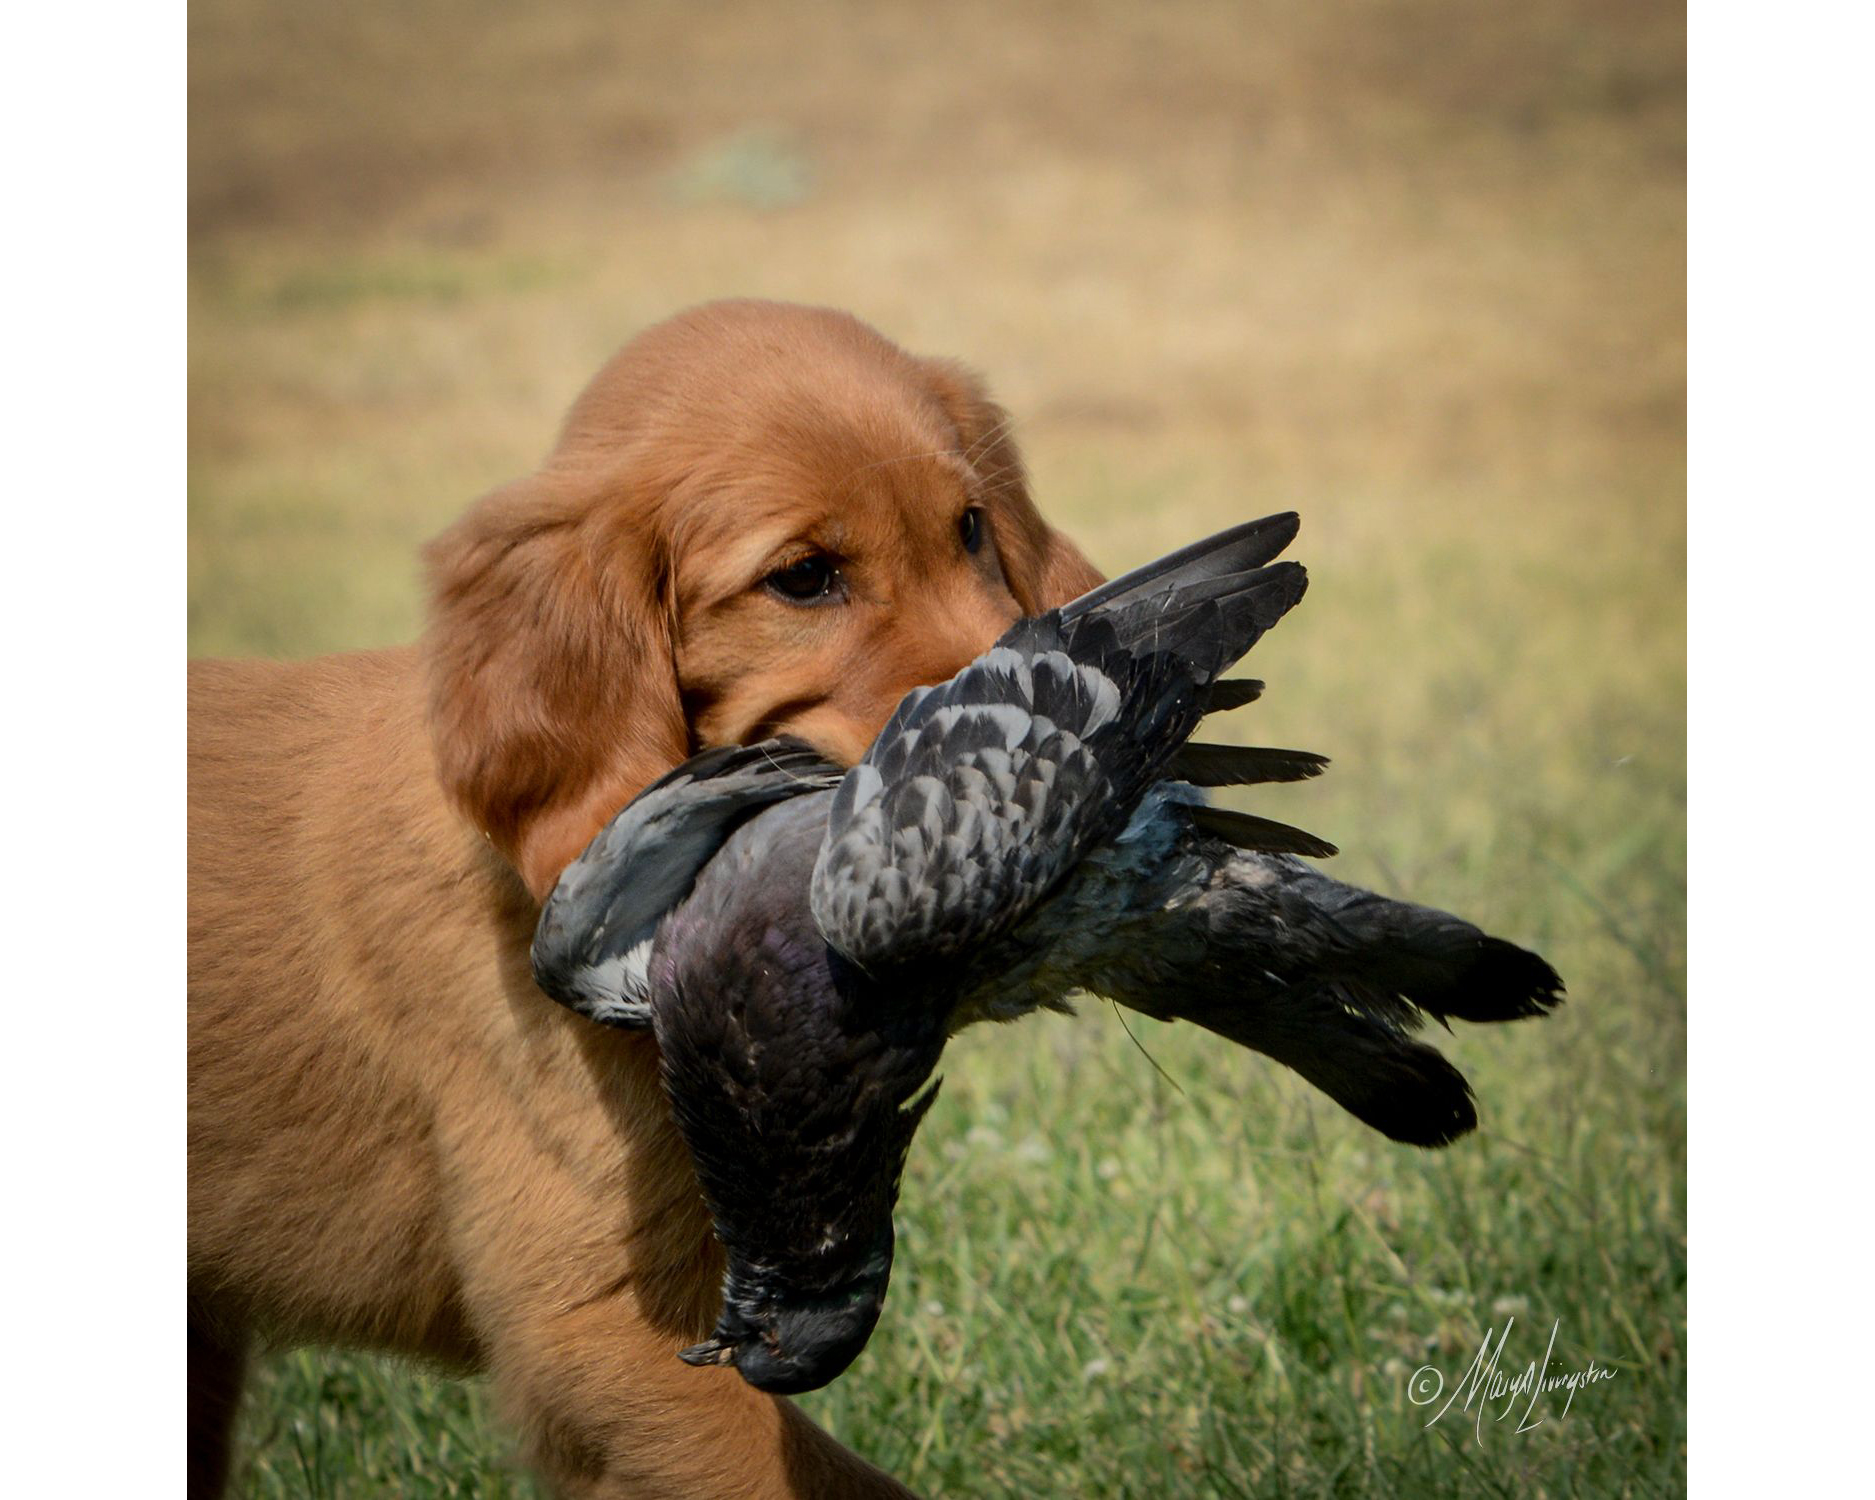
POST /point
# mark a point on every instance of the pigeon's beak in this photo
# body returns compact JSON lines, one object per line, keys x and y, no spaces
{"x":797,"y":1345}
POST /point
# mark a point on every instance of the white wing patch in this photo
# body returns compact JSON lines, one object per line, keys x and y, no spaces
{"x":617,"y":991}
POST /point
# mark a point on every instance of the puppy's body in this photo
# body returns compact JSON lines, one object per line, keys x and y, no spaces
{"x":396,"y":1141}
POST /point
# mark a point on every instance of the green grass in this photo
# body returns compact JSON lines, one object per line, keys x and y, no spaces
{"x":1109,"y":1284}
{"x":1414,"y":270}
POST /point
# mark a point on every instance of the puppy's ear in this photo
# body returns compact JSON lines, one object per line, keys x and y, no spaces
{"x":1050,"y":571}
{"x":553,"y":693}
{"x":1043,"y":567}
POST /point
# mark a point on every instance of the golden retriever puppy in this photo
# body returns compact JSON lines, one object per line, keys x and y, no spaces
{"x":757,"y":518}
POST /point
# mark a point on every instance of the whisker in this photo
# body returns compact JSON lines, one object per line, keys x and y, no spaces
{"x":989,"y":436}
{"x":904,"y":458}
{"x":972,"y":456}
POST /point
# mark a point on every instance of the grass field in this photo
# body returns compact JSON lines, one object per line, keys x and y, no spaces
{"x":1413,"y":269}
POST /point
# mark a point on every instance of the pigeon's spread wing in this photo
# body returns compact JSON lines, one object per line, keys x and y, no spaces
{"x":976,"y":808}
{"x":595,"y":931}
{"x":1236,"y":550}
{"x":981,"y":795}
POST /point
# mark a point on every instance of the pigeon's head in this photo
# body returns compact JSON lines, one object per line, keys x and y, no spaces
{"x":797,"y":1088}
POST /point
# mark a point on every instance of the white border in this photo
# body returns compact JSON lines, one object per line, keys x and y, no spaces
{"x":1780,"y":497}
{"x":1780,"y":505}
{"x":94,"y":612}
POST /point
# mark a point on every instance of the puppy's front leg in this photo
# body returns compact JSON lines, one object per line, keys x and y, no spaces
{"x":217,"y":1363}
{"x":606,"y":1410}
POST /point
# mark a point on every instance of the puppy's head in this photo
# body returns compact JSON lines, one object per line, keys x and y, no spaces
{"x":758,"y":519}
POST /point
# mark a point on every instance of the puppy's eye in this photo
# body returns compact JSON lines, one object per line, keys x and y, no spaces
{"x":970,"y":528}
{"x":810,"y":579}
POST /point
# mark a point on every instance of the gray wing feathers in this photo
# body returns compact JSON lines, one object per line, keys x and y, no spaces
{"x":978,"y":826}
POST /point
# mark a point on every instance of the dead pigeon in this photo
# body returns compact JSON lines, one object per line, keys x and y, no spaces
{"x":804,"y":939}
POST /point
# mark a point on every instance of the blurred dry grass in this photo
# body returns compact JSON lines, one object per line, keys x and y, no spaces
{"x":1412,"y":268}
{"x":1400,"y":264}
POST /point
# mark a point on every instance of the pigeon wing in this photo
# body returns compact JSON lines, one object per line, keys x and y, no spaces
{"x":980,"y":796}
{"x":969,"y":814}
{"x":594,"y":933}
{"x":1236,"y":550}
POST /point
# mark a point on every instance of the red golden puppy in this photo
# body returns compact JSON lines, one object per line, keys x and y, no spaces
{"x":757,"y":518}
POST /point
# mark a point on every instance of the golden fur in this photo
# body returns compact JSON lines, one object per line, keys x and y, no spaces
{"x":396,"y":1142}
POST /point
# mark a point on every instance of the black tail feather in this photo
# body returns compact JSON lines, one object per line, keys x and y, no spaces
{"x":1440,"y":963}
{"x":1232,"y":692}
{"x":1498,"y":982}
{"x":1205,"y":764}
{"x":1404,"y":1089}
{"x":1332,"y":981}
{"x":1400,"y":1087}
{"x":1259,"y":835}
